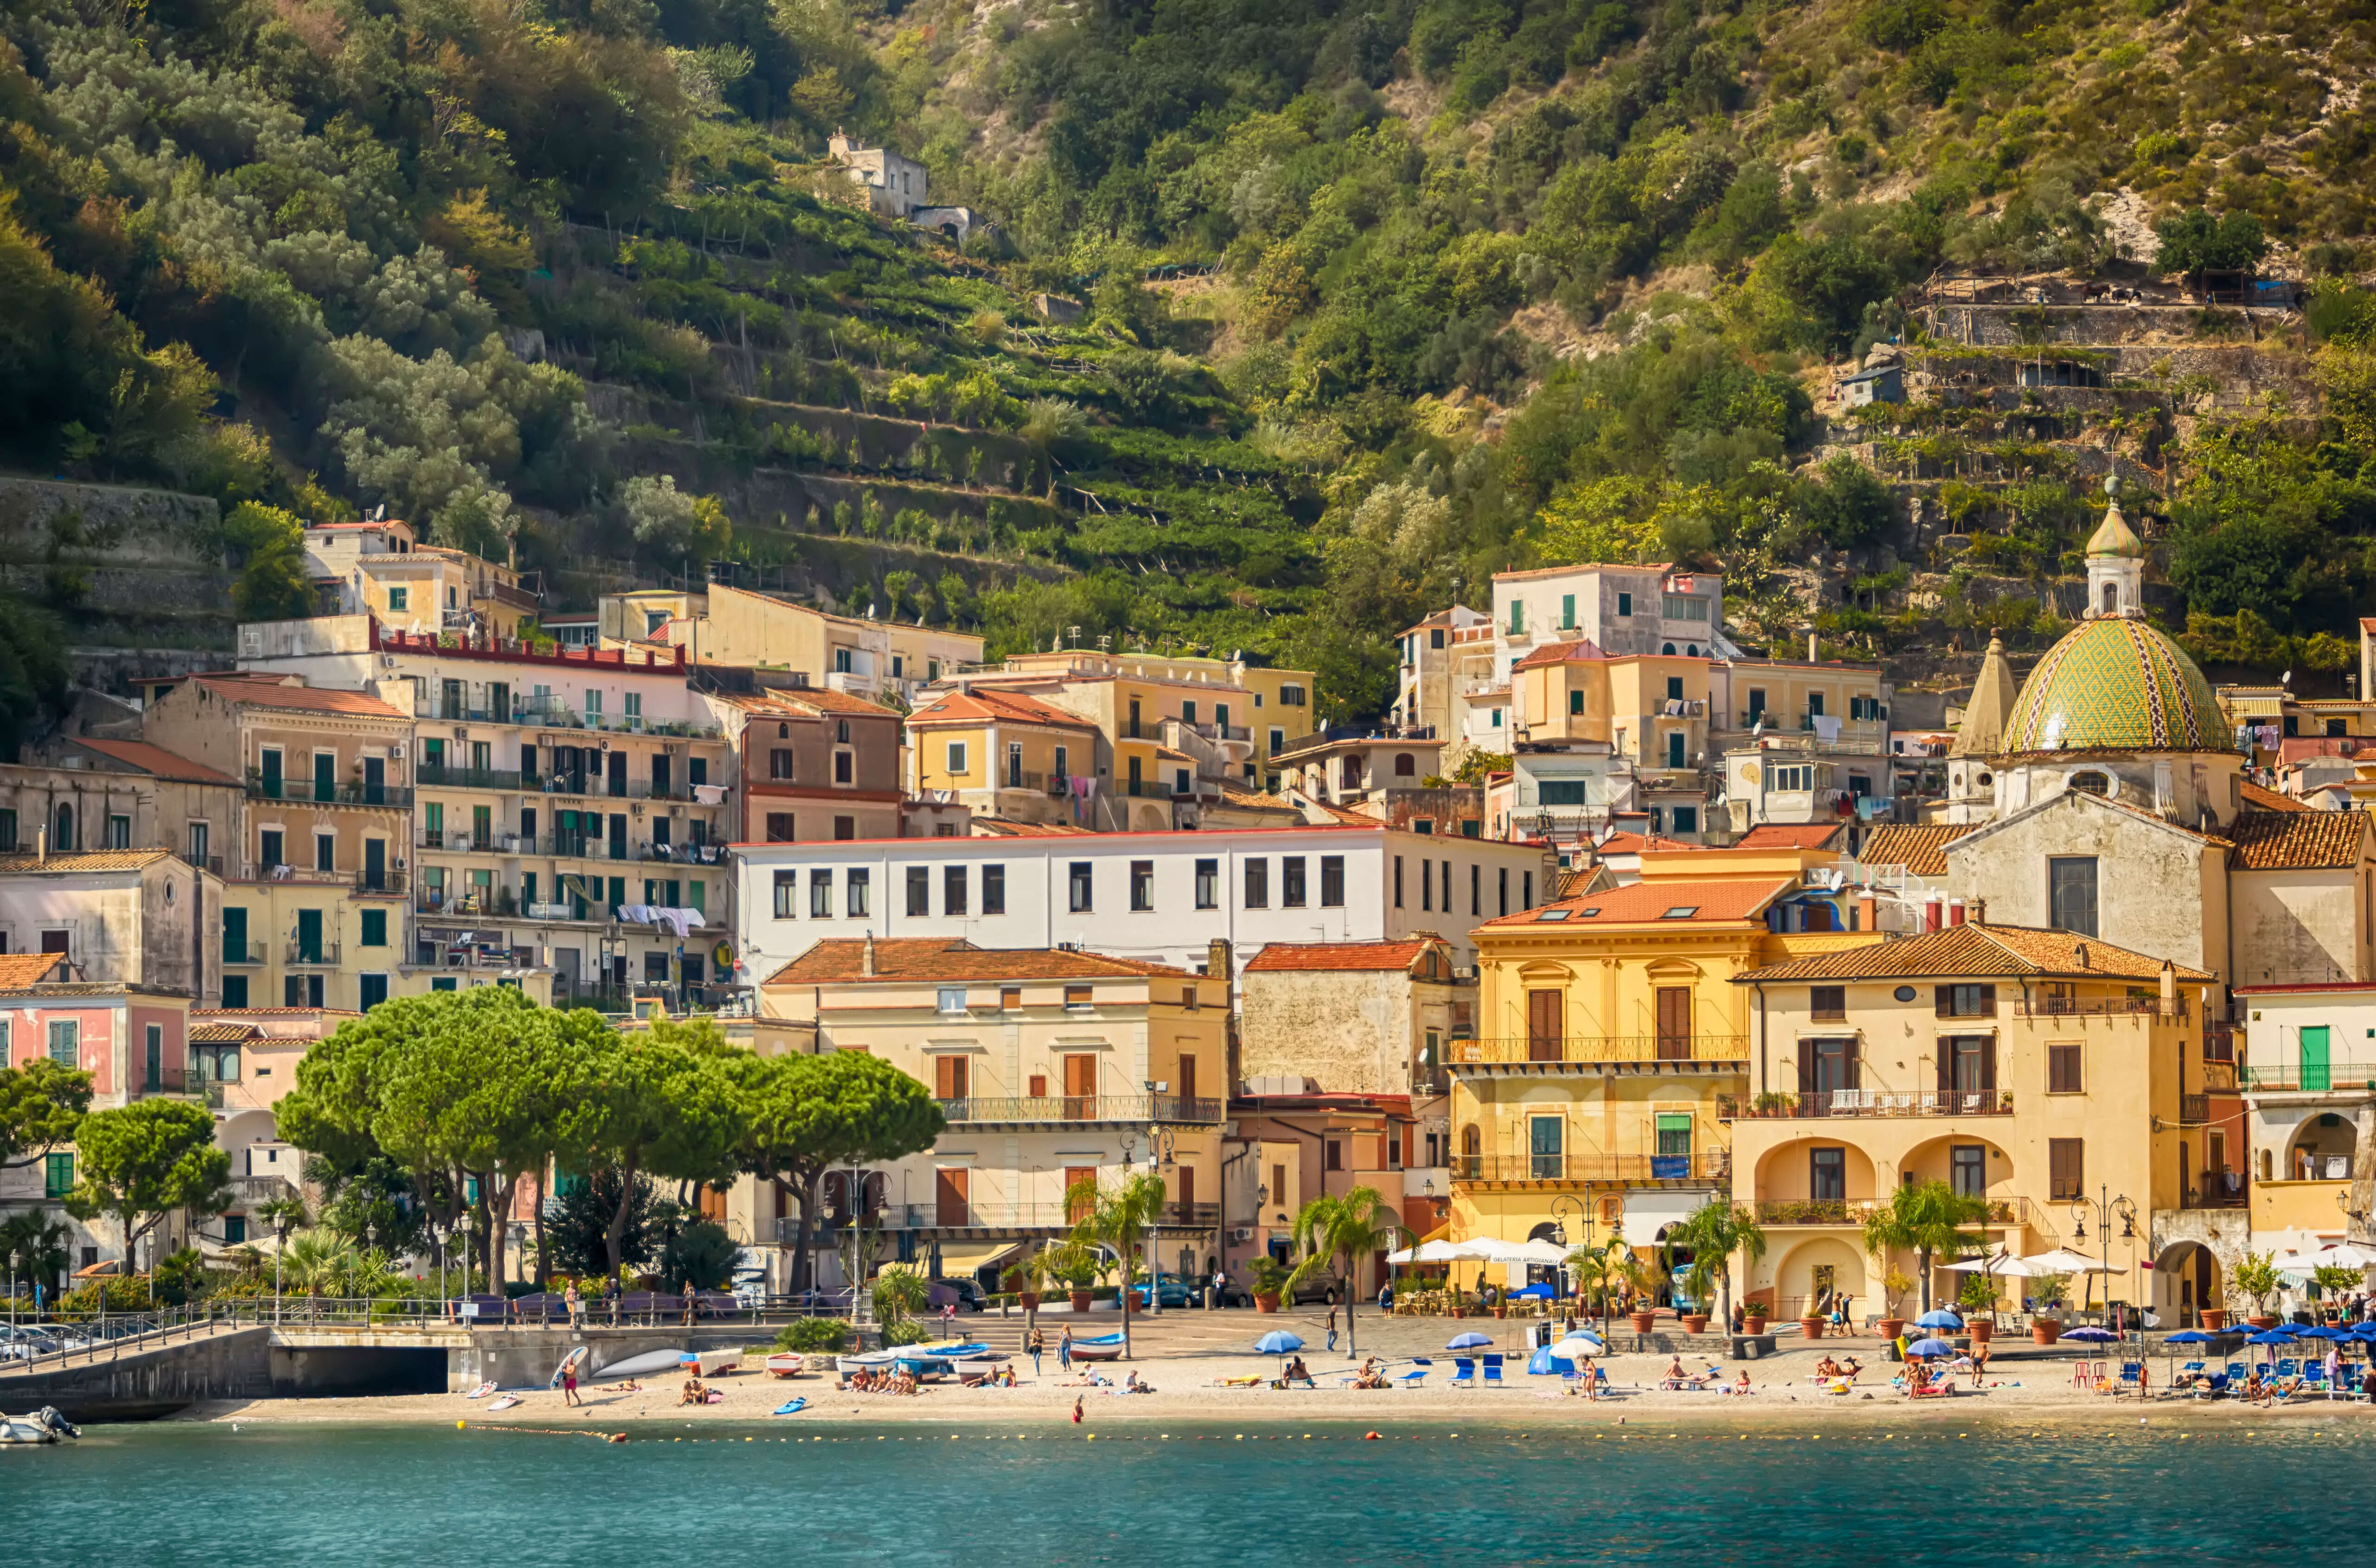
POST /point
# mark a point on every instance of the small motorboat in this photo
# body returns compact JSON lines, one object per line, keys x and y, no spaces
{"x":1104,"y":1347}
{"x":786,"y":1363}
{"x":952,"y":1349}
{"x":44,"y":1425}
{"x":925,"y":1367}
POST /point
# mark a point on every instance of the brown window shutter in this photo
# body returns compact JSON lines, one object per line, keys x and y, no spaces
{"x":1988,"y":1068}
{"x":1806,"y":1068}
{"x":1944,"y":999}
{"x":1854,"y":1063}
{"x":1989,"y":1000}
{"x":1946,"y":1065}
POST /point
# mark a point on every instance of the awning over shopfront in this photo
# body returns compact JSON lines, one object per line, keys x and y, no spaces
{"x":1651,"y":1209}
{"x":964,"y":1257}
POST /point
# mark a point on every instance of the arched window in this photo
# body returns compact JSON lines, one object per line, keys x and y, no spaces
{"x":1472,"y":1141}
{"x":1668,"y":648}
{"x":1691,"y":649}
{"x":783,"y":732}
{"x":2092,"y":782}
{"x":1404,"y":766}
{"x":2112,"y":597}
{"x":63,"y":838}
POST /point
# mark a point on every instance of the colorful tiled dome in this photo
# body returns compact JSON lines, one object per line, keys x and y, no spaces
{"x":2115,"y":684}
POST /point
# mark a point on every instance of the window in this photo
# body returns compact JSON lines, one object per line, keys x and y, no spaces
{"x":1567,"y":612}
{"x":234,"y":990}
{"x":1208,"y":884}
{"x":1965,"y":1000}
{"x":1476,"y":890}
{"x":1290,"y":697}
{"x":1332,"y":883}
{"x":2066,"y":1169}
{"x":1076,"y":998}
{"x":1674,"y":1132}
{"x":820,"y":895}
{"x":845,"y":829}
{"x":1526,"y":890}
{"x":9,"y":825}
{"x":1142,"y":885}
{"x":953,"y":890}
{"x":268,"y":841}
{"x":1517,"y":617}
{"x":788,"y":886}
{"x":1686,"y":819}
{"x":1625,"y":604}
{"x":1290,"y":882}
{"x":862,"y":887}
{"x":325,"y":850}
{"x":119,"y":833}
{"x":1398,"y":882}
{"x":1447,"y":889}
{"x":1968,"y":1168}
{"x":1258,"y":885}
{"x":920,"y":892}
{"x":2062,"y":1075}
{"x":1798,"y":777}
{"x":1079,"y":877}
{"x":1829,"y":1002}
{"x":1333,"y":1158}
{"x":779,"y":762}
{"x":1064,"y":763}
{"x":371,"y":991}
{"x":374,"y":924}
{"x":993,"y":890}
{"x":1967,"y":1066}
{"x":956,"y":756}
{"x":2091,"y":782}
{"x":780,"y":829}
{"x":1426,"y":888}
{"x":57,"y":1175}
{"x":841,"y":726}
{"x":1685,"y":607}
{"x":2071,"y":892}
{"x":1827,"y":1174}
{"x":66,"y":1042}
{"x":1277,"y":740}
{"x":1497,"y":718}
{"x":399,"y":601}
{"x":952,"y":1000}
{"x":842,"y":765}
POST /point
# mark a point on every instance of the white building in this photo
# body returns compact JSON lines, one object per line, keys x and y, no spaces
{"x":1162,"y":898}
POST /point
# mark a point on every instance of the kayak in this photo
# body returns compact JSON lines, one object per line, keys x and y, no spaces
{"x":790,"y":1407}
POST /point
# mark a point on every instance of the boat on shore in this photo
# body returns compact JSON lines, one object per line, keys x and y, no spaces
{"x":44,"y":1425}
{"x":651,"y":1363}
{"x":1104,"y":1347}
{"x":786,"y":1363}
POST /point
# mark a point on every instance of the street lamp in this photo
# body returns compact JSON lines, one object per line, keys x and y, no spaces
{"x":2106,"y":1208}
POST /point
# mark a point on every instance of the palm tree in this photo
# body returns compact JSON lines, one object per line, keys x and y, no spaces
{"x":1604,"y":1268}
{"x":1926,"y":1219}
{"x":1352,"y":1228}
{"x":1119,"y":1216}
{"x":1714,"y":1233}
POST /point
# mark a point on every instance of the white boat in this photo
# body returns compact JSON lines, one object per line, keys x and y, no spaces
{"x":711,"y":1362}
{"x":651,"y":1363}
{"x":867,"y":1360}
{"x":44,"y":1425}
{"x":786,"y":1363}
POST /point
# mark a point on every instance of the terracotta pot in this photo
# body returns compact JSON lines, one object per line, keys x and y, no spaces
{"x":2044,"y":1330}
{"x":1980,"y":1331}
{"x":1752,"y":1323}
{"x":1812,"y":1328}
{"x":1270,"y":1303}
{"x":1501,"y":1309}
{"x":2262,"y":1323}
{"x":1130,"y":1304}
{"x":1080,"y":1299}
{"x":2214,"y":1319}
{"x":1890,"y":1327}
{"x":1642,"y":1321}
{"x":1030,"y":1300}
{"x":1696,"y":1322}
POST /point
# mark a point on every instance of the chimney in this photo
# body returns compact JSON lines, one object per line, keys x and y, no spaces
{"x":1868,"y":910}
{"x":2082,"y":952}
{"x":866,"y":957}
{"x":1980,"y":911}
{"x":1954,"y":912}
{"x":1812,"y":646}
{"x":2168,"y":985}
{"x":1930,"y":912}
{"x":1216,"y":960}
{"x":41,"y":846}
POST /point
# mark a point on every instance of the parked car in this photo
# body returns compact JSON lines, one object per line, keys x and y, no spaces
{"x":1323,"y":1286}
{"x":966,"y":1293}
{"x":1172,"y":1290}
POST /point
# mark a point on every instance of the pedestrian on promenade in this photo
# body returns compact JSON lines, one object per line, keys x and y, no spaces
{"x":610,"y":1294}
{"x":1332,"y":1325}
{"x":1064,"y":1349}
{"x":576,"y":1305}
{"x":691,"y":1298}
{"x":1036,"y":1344}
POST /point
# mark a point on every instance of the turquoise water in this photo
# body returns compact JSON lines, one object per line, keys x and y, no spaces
{"x":1679,"y":1493}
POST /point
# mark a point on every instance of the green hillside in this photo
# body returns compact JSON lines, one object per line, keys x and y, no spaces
{"x":1474,"y":285}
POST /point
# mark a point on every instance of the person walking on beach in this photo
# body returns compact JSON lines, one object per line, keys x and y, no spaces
{"x":569,"y":1386}
{"x":1332,"y":1325}
{"x":1035,"y":1344}
{"x":1064,"y":1350}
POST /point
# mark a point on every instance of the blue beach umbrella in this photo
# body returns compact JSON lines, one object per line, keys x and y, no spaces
{"x":2190,"y":1336}
{"x":1470,"y":1341}
{"x":1930,"y":1347}
{"x":2319,"y":1331}
{"x":1943,"y":1318}
{"x":2271,"y":1336}
{"x":1279,"y":1342}
{"x":2090,"y":1334}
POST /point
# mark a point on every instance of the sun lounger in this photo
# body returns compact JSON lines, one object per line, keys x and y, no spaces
{"x":1464,"y":1373}
{"x":1493,"y":1372}
{"x":1412,"y":1378}
{"x":2290,"y":1368}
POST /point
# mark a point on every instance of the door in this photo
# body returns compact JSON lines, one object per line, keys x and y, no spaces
{"x":1674,"y":1023}
{"x":951,"y":1186}
{"x":1967,"y":1074}
{"x":375,"y":863}
{"x":1185,"y":1084}
{"x":1825,"y":1067}
{"x":1544,"y":1148}
{"x":375,"y":781}
{"x":948,"y":1078}
{"x":1968,"y":1168}
{"x":618,"y":833}
{"x":662,"y":774}
{"x":234,"y":936}
{"x":1080,"y":1087}
{"x":1184,"y":1196}
{"x":1545,"y":1024}
{"x":618,"y":774}
{"x":1077,"y":1204}
{"x":1675,"y":744}
{"x":309,"y":936}
{"x":2316,"y":1069}
{"x":326,"y":777}
{"x":271,"y":770}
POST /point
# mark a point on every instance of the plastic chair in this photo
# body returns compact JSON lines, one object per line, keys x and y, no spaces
{"x":2083,"y":1374}
{"x":2235,"y":1371}
{"x":1492,"y":1371}
{"x":1464,"y":1373}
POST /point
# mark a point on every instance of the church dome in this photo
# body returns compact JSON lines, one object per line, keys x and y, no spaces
{"x":2115,"y":684}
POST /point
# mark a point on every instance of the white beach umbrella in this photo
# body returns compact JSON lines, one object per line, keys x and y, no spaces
{"x":1428,"y":1252}
{"x":2005,"y":1264}
{"x":2062,"y":1260}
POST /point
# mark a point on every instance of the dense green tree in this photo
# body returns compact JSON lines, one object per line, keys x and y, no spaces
{"x":140,"y":1163}
{"x":41,"y":1103}
{"x":806,"y":1115}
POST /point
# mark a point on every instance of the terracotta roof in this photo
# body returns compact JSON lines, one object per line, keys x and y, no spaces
{"x":2259,"y":799}
{"x":806,"y":703}
{"x":2310,"y":840}
{"x":223,"y":1034}
{"x":987,"y":826}
{"x":82,"y":860}
{"x":1790,"y":835}
{"x":1922,"y":851}
{"x":154,"y":760}
{"x":1253,"y":799}
{"x":1381,"y":956}
{"x":986,"y":704}
{"x":1561,"y":653}
{"x":305,"y":699}
{"x":1979,"y":952}
{"x":1582,"y":566}
{"x":1655,"y":903}
{"x":911,"y":958}
{"x":273,"y":1011}
{"x":18,"y":970}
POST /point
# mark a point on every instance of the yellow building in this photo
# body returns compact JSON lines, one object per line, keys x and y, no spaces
{"x":2029,"y":1068}
{"x":380,"y":569}
{"x":1611,"y":1048}
{"x":879,"y":660}
{"x":1003,"y":754}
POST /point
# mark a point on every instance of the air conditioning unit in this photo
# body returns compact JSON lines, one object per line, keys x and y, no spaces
{"x":388,"y":661}
{"x":1243,"y":1233}
{"x":396,"y":751}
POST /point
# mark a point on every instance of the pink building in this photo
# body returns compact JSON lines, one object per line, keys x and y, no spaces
{"x":131,"y":1039}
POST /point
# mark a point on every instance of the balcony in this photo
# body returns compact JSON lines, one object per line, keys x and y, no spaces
{"x":986,"y":1214}
{"x":236,"y":953}
{"x":1843,"y":1211}
{"x":2194,"y":1110}
{"x":1707,"y":1164}
{"x":1147,"y":788}
{"x":2218,"y":1189}
{"x":2100,"y":1007}
{"x":2312,"y":1078}
{"x":1590,"y":1049}
{"x":187,"y":1082}
{"x":312,"y":955}
{"x":1076,"y":1109}
{"x":1835,"y":1103}
{"x":306,"y":792}
{"x":382,"y":881}
{"x":432,"y":775}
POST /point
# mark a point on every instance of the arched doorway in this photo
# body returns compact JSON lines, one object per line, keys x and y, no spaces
{"x":2320,"y":1150}
{"x":1816,"y":1273}
{"x":1669,"y":1267}
{"x":2187,"y":1278}
{"x":1536,"y":1273}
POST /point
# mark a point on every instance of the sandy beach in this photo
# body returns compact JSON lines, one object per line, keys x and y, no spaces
{"x":1189,"y":1363}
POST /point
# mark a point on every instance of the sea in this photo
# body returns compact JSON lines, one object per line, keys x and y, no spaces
{"x":1933,"y":1489}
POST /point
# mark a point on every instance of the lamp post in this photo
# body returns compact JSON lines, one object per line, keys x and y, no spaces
{"x":2106,"y":1209}
{"x":1561,"y":1206}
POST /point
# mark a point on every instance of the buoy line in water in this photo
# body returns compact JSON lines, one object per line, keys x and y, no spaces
{"x":546,"y":1432}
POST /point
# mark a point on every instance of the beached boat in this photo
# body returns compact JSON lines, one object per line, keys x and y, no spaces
{"x":1104,"y":1347}
{"x":44,"y":1425}
{"x":786,"y":1363}
{"x":952,"y":1349}
{"x":867,"y":1361}
{"x":651,"y":1363}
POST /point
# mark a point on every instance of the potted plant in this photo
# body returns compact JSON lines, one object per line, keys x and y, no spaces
{"x":1753,"y":1316}
{"x":1024,"y":1280}
{"x":1978,"y":1299}
{"x":1895,"y":1284}
{"x":1270,"y":1278}
{"x":2256,"y":1279}
{"x":1076,"y":1266}
{"x":1773,"y":1102}
{"x":2049,"y":1291}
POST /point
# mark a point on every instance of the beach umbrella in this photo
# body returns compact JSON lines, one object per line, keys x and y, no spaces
{"x":1943,"y":1318}
{"x":2191,"y":1336}
{"x":1277,"y":1342}
{"x":1470,"y":1341}
{"x":1576,"y":1346}
{"x":2344,"y":1254}
{"x":1930,"y":1347}
{"x":1426,"y":1251}
{"x":2090,"y":1336}
{"x":2319,"y":1331}
{"x":2271,"y":1336}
